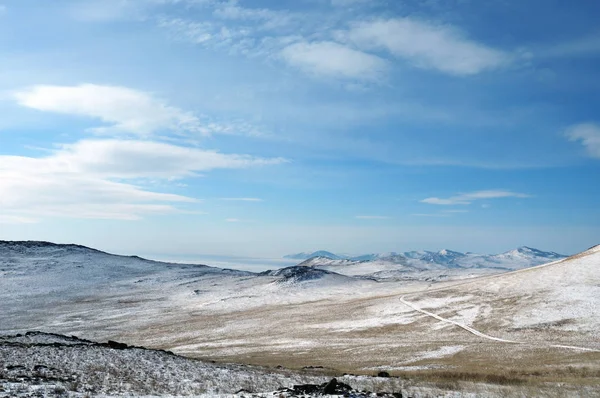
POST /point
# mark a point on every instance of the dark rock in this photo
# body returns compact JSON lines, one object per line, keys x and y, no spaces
{"x":383,"y":374}
{"x":331,"y":387}
{"x":306,"y":389}
{"x":117,"y":346}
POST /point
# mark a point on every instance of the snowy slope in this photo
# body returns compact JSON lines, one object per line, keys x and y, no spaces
{"x":547,"y":302}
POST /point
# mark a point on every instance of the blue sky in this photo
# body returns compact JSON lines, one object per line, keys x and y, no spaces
{"x":259,"y":128}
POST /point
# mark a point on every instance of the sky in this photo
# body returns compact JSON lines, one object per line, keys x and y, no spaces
{"x":262,"y":128}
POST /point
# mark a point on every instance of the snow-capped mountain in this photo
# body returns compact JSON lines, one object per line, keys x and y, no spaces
{"x":448,"y":262}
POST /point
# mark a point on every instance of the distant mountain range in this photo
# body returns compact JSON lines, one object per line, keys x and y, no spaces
{"x":443,"y":256}
{"x":392,"y":265}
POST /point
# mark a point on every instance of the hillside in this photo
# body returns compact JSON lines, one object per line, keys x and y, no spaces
{"x":544,"y":303}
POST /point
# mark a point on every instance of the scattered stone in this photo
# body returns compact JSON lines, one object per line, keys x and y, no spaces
{"x":383,"y":374}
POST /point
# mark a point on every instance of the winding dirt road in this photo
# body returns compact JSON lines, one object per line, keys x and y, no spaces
{"x":486,"y":336}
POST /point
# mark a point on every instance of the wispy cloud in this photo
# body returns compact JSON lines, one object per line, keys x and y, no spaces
{"x":372,"y":217}
{"x":580,"y":47}
{"x":334,"y":60}
{"x":331,"y":45}
{"x":243,"y":199}
{"x":232,"y":220}
{"x":468,"y":198}
{"x":589,"y":136}
{"x":95,"y":179}
{"x":426,"y":45}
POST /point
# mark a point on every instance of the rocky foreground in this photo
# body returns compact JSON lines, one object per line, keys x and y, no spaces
{"x":42,"y":364}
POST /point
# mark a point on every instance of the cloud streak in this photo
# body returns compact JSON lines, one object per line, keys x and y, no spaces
{"x":468,"y":198}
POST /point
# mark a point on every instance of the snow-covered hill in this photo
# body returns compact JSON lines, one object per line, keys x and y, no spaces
{"x":307,"y":255}
{"x":41,"y":269}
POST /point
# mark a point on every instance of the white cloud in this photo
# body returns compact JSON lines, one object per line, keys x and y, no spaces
{"x":123,"y":109}
{"x":468,"y":198}
{"x":335,"y":60}
{"x":589,"y":135}
{"x":243,"y":199}
{"x":93,"y":179}
{"x":232,"y":220}
{"x":372,"y":217}
{"x":426,"y":45}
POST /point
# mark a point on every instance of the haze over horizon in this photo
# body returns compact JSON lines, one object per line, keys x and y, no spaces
{"x":263,"y":128}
